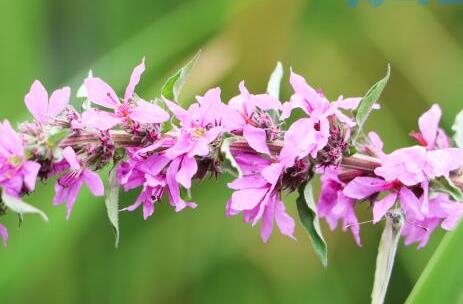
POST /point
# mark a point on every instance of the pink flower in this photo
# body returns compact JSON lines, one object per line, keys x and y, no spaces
{"x":368,"y":187}
{"x":41,"y":107}
{"x":67,"y":186}
{"x":307,"y":136}
{"x":156,"y":174}
{"x":430,"y":135}
{"x":258,"y":197}
{"x":334,"y":206}
{"x":408,"y":171}
{"x":442,"y":212}
{"x":3,"y":234}
{"x":416,"y":165}
{"x":200,"y":126}
{"x":374,"y":146}
{"x":93,"y":119}
{"x":17,"y":175}
{"x":132,"y":108}
{"x":254,"y":121}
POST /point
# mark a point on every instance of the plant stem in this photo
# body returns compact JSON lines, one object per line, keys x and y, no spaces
{"x":355,"y":165}
{"x":119,"y":138}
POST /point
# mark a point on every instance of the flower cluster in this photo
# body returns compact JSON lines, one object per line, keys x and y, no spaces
{"x":158,"y":148}
{"x":402,"y":178}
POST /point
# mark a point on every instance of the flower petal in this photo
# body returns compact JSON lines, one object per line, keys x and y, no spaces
{"x":299,"y":140}
{"x":285,"y":222}
{"x":100,"y":93}
{"x":248,"y":181}
{"x":267,"y":223}
{"x":10,"y":142}
{"x":37,"y":101}
{"x":179,"y":112}
{"x":134,"y":80}
{"x":381,"y":207}
{"x":410,"y":203}
{"x":429,"y":124}
{"x":71,"y":157}
{"x":363,"y":187}
{"x":58,"y":101}
{"x":186,"y":172}
{"x":256,"y":138}
{"x":93,"y":182}
{"x":31,"y":169}
{"x":146,"y":112}
{"x":100,"y":120}
{"x":247,"y":199}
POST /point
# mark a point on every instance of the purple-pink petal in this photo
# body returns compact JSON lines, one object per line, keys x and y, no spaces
{"x":71,"y":157}
{"x":134,"y":80}
{"x":187,"y":170}
{"x":146,"y":112}
{"x":30,"y":171}
{"x":179,"y":112}
{"x":285,"y":222}
{"x":256,"y":138}
{"x":37,"y":101}
{"x":267,"y":222}
{"x":247,"y":199}
{"x":58,"y":101}
{"x":381,"y":207}
{"x":248,"y":181}
{"x":100,"y":93}
{"x":363,"y":187}
{"x":10,"y":142}
{"x":100,"y":120}
{"x":429,"y":124}
{"x":93,"y":182}
{"x":410,"y":203}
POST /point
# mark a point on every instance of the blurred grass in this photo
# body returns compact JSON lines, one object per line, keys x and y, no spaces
{"x":199,"y":256}
{"x":445,"y":263}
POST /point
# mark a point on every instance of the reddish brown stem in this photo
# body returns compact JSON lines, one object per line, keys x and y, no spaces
{"x":120,"y":139}
{"x":355,"y":165}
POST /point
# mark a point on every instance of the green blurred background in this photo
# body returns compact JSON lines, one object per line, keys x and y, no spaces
{"x":199,"y":256}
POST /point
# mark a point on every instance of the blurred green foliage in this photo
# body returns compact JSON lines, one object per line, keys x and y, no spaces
{"x":199,"y":256}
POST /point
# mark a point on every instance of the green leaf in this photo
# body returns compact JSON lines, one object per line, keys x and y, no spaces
{"x":273,"y":87}
{"x":386,"y":254}
{"x":229,"y":164}
{"x":54,"y":139}
{"x":17,"y":205}
{"x":112,"y":202}
{"x":458,"y":128}
{"x":366,"y":104}
{"x":308,"y":216}
{"x":444,"y":184}
{"x":440,"y":281}
{"x":172,"y":87}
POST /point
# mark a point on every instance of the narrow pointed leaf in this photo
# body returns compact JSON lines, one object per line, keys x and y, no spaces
{"x":308,"y":216}
{"x":112,"y":203}
{"x":458,"y":129}
{"x":368,"y":101}
{"x":228,"y":161}
{"x":17,"y":205}
{"x":173,"y":86}
{"x":273,"y":87}
{"x":386,"y":254}
{"x":444,"y":184}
